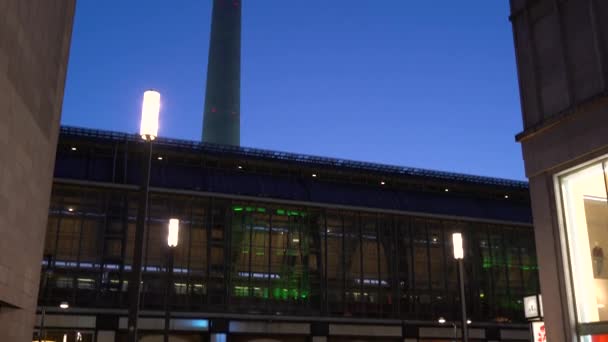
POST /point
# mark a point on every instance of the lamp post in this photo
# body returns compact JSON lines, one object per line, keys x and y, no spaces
{"x":148,"y":131}
{"x":45,"y":287}
{"x":442,"y":320}
{"x":172,"y":239}
{"x":459,"y":256}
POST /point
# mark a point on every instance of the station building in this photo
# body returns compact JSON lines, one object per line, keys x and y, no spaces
{"x":276,"y":246}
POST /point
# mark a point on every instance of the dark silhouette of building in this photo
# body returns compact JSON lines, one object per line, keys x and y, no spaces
{"x":292,"y":247}
{"x":222,"y":113}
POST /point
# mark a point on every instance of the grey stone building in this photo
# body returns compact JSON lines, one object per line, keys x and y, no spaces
{"x":34,"y":44}
{"x":562,"y":60}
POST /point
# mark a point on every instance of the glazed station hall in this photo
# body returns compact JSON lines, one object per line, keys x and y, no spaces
{"x":273,"y":243}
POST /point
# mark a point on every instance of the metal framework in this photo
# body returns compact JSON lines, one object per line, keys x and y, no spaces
{"x":302,"y":159}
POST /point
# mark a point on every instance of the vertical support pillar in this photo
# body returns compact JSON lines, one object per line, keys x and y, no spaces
{"x":319,"y":331}
{"x":218,"y":330}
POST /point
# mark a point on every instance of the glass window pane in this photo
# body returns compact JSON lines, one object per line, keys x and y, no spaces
{"x":585,"y":215}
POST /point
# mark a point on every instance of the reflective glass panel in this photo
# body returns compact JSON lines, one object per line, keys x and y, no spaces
{"x":585,"y":217}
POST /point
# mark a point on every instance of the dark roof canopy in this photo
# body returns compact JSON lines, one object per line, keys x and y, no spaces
{"x":481,"y":197}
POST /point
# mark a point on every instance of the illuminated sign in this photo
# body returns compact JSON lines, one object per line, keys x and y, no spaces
{"x":538,"y":332}
{"x":533,"y":307}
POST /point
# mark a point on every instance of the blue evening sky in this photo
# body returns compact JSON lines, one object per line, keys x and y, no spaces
{"x":428,"y":84}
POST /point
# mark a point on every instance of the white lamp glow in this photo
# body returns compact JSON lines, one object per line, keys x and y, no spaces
{"x":148,"y":128}
{"x":441,"y":320}
{"x":457,"y":242}
{"x":173,"y":233}
{"x":64,"y":305}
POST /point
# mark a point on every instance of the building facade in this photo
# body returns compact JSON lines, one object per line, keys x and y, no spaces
{"x":34,"y":44}
{"x":280,"y":246}
{"x":562,"y":59}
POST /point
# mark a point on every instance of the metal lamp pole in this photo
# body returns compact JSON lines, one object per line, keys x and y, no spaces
{"x":148,"y":131}
{"x":172,"y":239}
{"x":459,"y":256}
{"x":45,"y":288}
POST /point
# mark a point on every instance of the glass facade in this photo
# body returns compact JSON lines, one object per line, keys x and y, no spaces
{"x":256,"y":257}
{"x":582,"y":197}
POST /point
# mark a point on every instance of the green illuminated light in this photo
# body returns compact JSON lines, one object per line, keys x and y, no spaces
{"x":261,"y":210}
{"x":280,"y":212}
{"x":237,"y":208}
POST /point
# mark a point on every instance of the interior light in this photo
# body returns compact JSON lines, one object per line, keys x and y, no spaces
{"x":296,"y":240}
{"x":64,"y":305}
{"x":446,"y":190}
{"x":148,"y":128}
{"x":240,"y":167}
{"x":506,"y":196}
{"x":441,"y":320}
{"x":382,"y":183}
{"x":74,"y":148}
{"x":314,"y":175}
{"x":457,"y":242}
{"x":469,"y":321}
{"x":160,"y":158}
{"x":70,"y":209}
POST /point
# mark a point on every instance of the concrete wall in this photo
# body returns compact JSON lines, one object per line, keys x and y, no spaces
{"x":34,"y":45}
{"x":562,"y":59}
{"x":562,"y":55}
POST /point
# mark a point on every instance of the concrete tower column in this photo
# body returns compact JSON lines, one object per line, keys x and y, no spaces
{"x":222,"y":113}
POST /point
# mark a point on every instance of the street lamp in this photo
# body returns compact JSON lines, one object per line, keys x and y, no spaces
{"x":459,"y":256}
{"x":148,"y":130}
{"x":442,"y":320}
{"x":172,"y":240}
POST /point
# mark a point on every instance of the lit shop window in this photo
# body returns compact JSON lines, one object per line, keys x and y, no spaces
{"x":585,"y":219}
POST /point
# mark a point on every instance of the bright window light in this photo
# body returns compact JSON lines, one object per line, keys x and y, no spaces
{"x":148,"y":128}
{"x":64,"y":305}
{"x":441,"y":320}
